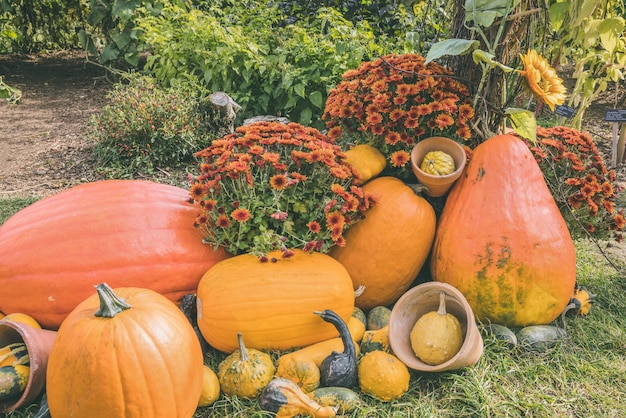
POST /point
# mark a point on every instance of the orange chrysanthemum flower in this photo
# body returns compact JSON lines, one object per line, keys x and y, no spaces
{"x":399,"y":158}
{"x":240,"y":215}
{"x":542,"y":79}
{"x":279,"y":181}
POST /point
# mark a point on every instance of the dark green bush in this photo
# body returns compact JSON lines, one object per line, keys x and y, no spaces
{"x":145,"y":127}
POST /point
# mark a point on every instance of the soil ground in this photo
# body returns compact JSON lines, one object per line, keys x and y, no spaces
{"x":44,"y":141}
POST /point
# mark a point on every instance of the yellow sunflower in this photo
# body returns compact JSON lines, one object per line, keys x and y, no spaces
{"x":542,"y":79}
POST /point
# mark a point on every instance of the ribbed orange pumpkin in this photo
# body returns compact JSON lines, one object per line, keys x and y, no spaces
{"x":385,"y":251}
{"x":122,"y":232}
{"x":502,"y":241}
{"x":125,"y":353}
{"x":272,"y":303}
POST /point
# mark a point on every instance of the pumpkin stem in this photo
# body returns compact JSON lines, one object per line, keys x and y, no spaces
{"x":417,"y":188}
{"x":442,"y":304}
{"x":110,"y":303}
{"x":243,"y":351}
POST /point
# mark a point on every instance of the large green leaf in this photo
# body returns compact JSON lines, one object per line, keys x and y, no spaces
{"x":611,"y":32}
{"x":485,"y":12}
{"x":523,"y":122}
{"x":480,"y":56}
{"x":450,"y":47}
{"x":557,"y":13}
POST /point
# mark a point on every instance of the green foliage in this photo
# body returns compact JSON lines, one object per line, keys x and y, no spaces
{"x":28,"y":26}
{"x":592,"y":34}
{"x":8,"y":207}
{"x":145,"y":127}
{"x":267,"y":68}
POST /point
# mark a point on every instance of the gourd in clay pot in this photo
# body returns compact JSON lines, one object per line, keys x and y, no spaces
{"x":502,"y":241}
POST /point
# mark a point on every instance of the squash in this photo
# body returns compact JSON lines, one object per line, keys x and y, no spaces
{"x":580,"y":302}
{"x":540,"y":337}
{"x":245,"y":372}
{"x":376,"y":340}
{"x":129,"y":233}
{"x":124,"y":353}
{"x":13,"y":354}
{"x":302,"y":371}
{"x":210,"y":387}
{"x":272,"y":303}
{"x":345,"y":400}
{"x":23,"y":318}
{"x":13,"y":381}
{"x":285,"y":399}
{"x":436,"y":336}
{"x":438,"y":163}
{"x":502,"y":333}
{"x":378,"y":317}
{"x":502,"y":241}
{"x":383,"y":376}
{"x":317,"y":352}
{"x":339,"y":368}
{"x":385,"y":251}
{"x":366,"y":160}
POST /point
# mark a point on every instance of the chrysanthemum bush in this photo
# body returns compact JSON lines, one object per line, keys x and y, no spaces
{"x":395,"y":101}
{"x":274,"y":186}
{"x":584,"y":188}
{"x":145,"y":126}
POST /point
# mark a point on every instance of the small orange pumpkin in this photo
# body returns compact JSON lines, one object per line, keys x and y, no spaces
{"x":128,"y":353}
{"x":272,"y":303}
{"x":502,"y":241}
{"x":385,"y":251}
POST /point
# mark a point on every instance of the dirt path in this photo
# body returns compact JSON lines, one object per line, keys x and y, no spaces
{"x":44,"y":146}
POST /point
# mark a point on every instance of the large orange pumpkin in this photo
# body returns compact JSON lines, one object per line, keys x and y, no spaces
{"x":502,"y":241}
{"x":385,"y":251}
{"x":125,"y":353}
{"x":272,"y":303}
{"x":122,"y":232}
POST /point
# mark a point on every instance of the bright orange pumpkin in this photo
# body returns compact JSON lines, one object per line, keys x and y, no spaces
{"x":122,"y":232}
{"x":385,"y":251}
{"x":502,"y":241}
{"x":125,"y":353}
{"x":272,"y":303}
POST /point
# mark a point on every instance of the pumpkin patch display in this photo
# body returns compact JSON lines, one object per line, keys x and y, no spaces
{"x":125,"y":353}
{"x":502,"y":241}
{"x":271,"y":301}
{"x":385,"y":251}
{"x":127,"y":233}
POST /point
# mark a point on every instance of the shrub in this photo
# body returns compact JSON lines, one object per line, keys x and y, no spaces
{"x":267,"y":68}
{"x":145,"y":127}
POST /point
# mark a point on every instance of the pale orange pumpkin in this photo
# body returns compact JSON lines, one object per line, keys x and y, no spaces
{"x":272,"y":303}
{"x":502,"y":241}
{"x":385,"y":251}
{"x":127,"y":233}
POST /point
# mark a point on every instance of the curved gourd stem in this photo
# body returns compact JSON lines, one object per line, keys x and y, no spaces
{"x":110,"y":303}
{"x":342,"y":327}
{"x":243,"y":351}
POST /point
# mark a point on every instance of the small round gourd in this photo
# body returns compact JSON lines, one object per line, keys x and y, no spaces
{"x":438,"y":163}
{"x":210,"y":387}
{"x":302,"y":371}
{"x":383,"y":376}
{"x":366,"y":160}
{"x":436,"y":337}
{"x":245,"y":372}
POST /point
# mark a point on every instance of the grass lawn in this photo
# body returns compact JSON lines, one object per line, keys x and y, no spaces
{"x":584,"y":376}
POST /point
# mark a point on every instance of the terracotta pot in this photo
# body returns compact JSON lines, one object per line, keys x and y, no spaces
{"x":420,"y":300}
{"x":38,"y":343}
{"x":437,"y":186}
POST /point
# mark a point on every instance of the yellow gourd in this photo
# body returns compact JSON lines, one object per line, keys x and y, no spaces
{"x":383,"y":376}
{"x":302,"y":371}
{"x":210,"y":387}
{"x":436,"y":337}
{"x":366,"y":160}
{"x":438,"y":163}
{"x":22,"y":318}
{"x":376,"y":340}
{"x":245,"y":372}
